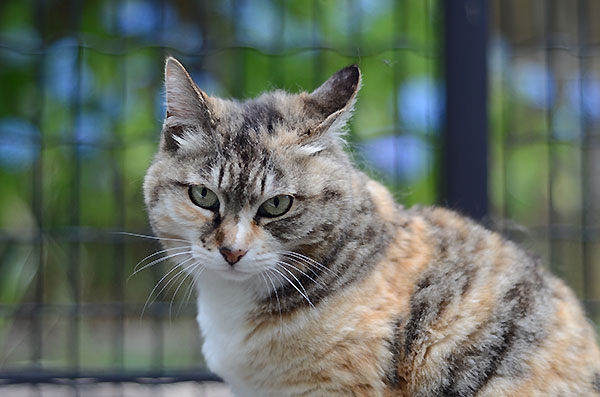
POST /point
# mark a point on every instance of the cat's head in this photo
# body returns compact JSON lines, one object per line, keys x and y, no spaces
{"x":248,"y":184}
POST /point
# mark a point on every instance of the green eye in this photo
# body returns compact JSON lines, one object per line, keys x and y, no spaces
{"x":275,"y":206}
{"x":204,"y":197}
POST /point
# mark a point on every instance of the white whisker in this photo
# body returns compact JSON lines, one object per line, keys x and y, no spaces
{"x":151,"y":237}
{"x":294,"y":285}
{"x":267,"y":273}
{"x":267,"y":285}
{"x":301,"y":271}
{"x":160,"y":281}
{"x":154,"y":262}
{"x":309,"y":260}
{"x":196,"y":264}
{"x":167,"y":287}
{"x":188,"y":294}
{"x":160,"y":252}
{"x":280,"y":264}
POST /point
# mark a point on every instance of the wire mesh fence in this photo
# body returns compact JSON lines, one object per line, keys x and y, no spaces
{"x":80,"y":114}
{"x":545,"y":123}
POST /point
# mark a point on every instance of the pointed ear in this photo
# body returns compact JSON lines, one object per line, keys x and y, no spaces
{"x":332,"y":103}
{"x":187,"y":106}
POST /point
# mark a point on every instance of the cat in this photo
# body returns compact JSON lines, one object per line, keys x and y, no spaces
{"x":312,"y":281}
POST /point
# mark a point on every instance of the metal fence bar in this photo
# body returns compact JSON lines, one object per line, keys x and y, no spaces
{"x":37,"y":198}
{"x":87,"y":377}
{"x":549,"y":61}
{"x":157,"y":364}
{"x":115,"y":47}
{"x":400,"y":12}
{"x":120,"y":215}
{"x":237,"y":84}
{"x":74,"y":337}
{"x":583,"y":32}
{"x":275,"y":66}
{"x":158,"y":359}
{"x":434,"y":34}
{"x":353,"y":24}
{"x":90,"y":309}
{"x":465,"y":169}
{"x":507,"y":119}
{"x":316,"y":42}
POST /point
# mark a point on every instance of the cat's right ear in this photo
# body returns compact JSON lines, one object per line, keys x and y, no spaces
{"x":330,"y":106}
{"x":187,"y":106}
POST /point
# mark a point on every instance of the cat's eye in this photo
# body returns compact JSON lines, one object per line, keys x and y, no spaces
{"x":204,"y":197}
{"x":275,"y":206}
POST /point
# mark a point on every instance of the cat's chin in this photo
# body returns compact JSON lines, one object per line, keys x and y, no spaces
{"x":232,"y":274}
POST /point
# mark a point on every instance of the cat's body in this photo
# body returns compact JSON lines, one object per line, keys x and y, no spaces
{"x":334,"y":289}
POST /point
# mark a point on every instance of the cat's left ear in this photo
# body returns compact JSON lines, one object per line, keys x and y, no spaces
{"x":187,"y":106}
{"x":332,"y":103}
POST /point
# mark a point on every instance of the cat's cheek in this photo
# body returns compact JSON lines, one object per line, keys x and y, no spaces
{"x":164,"y":225}
{"x":189,"y":215}
{"x":159,"y":220}
{"x":266,"y":244}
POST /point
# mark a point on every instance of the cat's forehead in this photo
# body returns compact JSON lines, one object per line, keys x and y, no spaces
{"x":241,"y":167}
{"x":251,"y":135}
{"x":264,"y":115}
{"x":256,"y":115}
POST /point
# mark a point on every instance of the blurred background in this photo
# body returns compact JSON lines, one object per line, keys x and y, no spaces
{"x":492,"y":108}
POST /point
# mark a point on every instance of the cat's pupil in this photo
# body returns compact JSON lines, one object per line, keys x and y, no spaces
{"x":276,"y":202}
{"x":204,"y":192}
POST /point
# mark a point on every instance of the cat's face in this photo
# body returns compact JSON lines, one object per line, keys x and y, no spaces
{"x":245,"y":187}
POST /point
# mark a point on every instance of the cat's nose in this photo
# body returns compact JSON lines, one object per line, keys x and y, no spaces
{"x":232,"y":256}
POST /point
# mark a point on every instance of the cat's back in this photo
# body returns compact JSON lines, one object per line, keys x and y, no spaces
{"x":486,"y":318}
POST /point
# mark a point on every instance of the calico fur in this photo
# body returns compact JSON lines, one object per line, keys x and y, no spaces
{"x":348,"y":293}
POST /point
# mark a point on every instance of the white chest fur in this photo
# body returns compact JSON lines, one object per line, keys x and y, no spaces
{"x":223,"y":307}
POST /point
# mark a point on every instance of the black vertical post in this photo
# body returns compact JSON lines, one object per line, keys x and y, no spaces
{"x":583,"y":40}
{"x":74,"y":272}
{"x":37,"y":194}
{"x":465,"y":168}
{"x":316,"y":39}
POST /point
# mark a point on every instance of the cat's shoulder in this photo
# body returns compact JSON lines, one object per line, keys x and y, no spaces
{"x":456,"y":238}
{"x":444,"y":223}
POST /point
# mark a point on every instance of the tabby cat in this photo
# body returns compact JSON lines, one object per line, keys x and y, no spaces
{"x":312,"y":281}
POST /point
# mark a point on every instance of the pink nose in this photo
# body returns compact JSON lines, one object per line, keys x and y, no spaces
{"x":232,"y":256}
